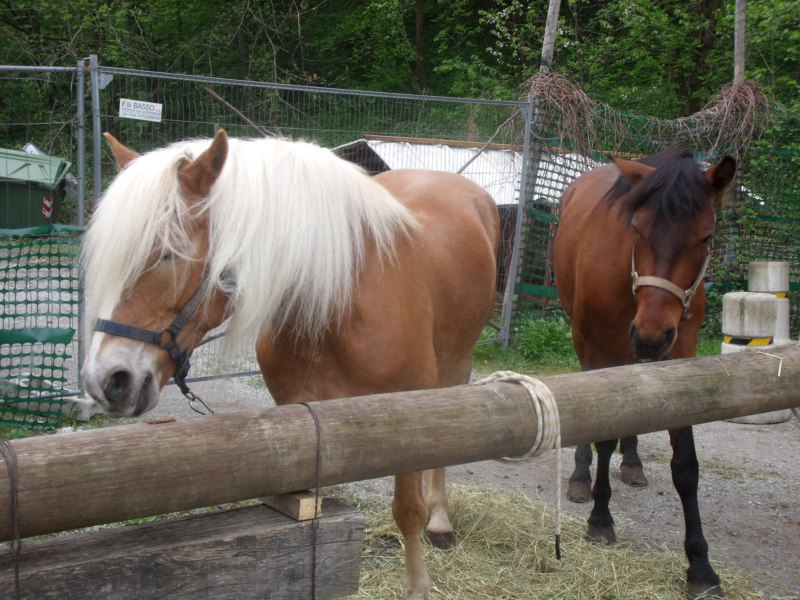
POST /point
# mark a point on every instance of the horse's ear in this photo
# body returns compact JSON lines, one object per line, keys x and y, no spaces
{"x":721,"y":175}
{"x":631,"y":170}
{"x":122,"y":154}
{"x":199,"y":175}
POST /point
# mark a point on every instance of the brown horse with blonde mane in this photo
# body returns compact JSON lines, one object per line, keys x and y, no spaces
{"x":630,"y":257}
{"x":353,"y":285}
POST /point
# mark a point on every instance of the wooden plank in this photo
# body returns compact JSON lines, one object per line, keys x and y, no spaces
{"x":237,"y":554}
{"x":298,"y":505}
{"x":117,"y":473}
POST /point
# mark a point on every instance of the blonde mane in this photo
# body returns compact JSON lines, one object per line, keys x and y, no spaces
{"x":289,"y":224}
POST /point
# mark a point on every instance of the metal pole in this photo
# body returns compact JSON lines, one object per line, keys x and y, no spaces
{"x":511,"y":276}
{"x":80,"y":93}
{"x":97,"y":174}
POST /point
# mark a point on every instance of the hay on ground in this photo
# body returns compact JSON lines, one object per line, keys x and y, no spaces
{"x":505,"y":550}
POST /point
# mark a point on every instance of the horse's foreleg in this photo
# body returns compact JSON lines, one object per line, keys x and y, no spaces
{"x":601,"y":523}
{"x":700,"y":577}
{"x":439,"y":529}
{"x":408,"y":509}
{"x":580,"y":482}
{"x":631,"y":468}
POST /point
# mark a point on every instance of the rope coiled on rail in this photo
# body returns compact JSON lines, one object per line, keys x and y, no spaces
{"x":548,"y":429}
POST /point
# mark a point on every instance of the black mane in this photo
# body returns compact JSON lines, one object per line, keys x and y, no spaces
{"x":676,"y":190}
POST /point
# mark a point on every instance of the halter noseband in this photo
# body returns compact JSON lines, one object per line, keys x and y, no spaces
{"x":684,"y":296}
{"x":166,"y":339}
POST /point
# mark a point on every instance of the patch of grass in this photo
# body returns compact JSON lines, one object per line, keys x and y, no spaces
{"x":708,"y":344}
{"x":542,"y":346}
{"x":15,"y":433}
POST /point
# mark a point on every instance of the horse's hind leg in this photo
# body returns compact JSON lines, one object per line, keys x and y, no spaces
{"x":631,"y":470}
{"x":700,"y":576}
{"x":408,"y":509}
{"x":601,"y":523}
{"x":580,"y":482}
{"x":439,"y":529}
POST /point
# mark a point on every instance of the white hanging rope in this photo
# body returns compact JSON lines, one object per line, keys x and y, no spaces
{"x":548,"y":429}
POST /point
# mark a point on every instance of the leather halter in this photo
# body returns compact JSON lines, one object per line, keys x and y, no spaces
{"x":165,"y":339}
{"x":684,"y":296}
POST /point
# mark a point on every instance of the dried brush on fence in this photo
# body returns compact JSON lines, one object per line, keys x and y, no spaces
{"x":729,"y":123}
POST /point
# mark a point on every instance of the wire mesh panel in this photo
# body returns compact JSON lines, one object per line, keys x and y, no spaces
{"x":39,"y":300}
{"x":377,"y":131}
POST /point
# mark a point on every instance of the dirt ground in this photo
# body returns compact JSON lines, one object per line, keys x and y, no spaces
{"x":749,"y":487}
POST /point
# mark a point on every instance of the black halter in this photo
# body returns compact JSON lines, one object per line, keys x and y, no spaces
{"x":166,"y":339}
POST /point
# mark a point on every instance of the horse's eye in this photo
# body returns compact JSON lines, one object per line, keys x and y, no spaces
{"x":707,"y":240}
{"x":166,"y":257}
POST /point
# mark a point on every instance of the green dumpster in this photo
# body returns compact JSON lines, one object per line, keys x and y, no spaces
{"x":31,"y":187}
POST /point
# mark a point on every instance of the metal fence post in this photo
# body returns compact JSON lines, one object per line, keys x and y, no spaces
{"x":97,"y":175}
{"x":80,"y":94}
{"x":511,"y":277}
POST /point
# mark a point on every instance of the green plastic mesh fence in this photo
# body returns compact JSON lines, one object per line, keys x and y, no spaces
{"x":39,"y":297}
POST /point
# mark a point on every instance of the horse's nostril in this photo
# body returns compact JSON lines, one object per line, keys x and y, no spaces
{"x":652,"y":348}
{"x":118,"y":385}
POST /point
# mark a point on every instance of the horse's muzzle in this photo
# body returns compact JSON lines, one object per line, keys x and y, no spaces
{"x":122,"y":394}
{"x":652,"y":347}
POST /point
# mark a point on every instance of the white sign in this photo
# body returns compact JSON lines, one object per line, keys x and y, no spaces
{"x":140,"y":109}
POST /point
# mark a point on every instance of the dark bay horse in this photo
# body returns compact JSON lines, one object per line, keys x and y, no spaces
{"x":630,"y":255}
{"x":354,"y":285}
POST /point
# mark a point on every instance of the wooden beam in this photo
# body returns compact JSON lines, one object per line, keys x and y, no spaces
{"x":117,"y":473}
{"x":300,"y":506}
{"x":251,"y":552}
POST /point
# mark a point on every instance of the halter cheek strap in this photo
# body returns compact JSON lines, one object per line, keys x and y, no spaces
{"x":684,"y":296}
{"x":166,"y":339}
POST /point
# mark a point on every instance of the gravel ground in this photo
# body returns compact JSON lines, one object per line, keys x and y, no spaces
{"x":750,"y":479}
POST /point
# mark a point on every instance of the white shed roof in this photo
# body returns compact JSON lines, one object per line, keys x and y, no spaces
{"x":497,"y":170}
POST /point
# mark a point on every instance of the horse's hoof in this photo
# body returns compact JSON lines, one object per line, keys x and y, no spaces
{"x":443,"y":540}
{"x":697,"y":591}
{"x":601,"y":534}
{"x":633,"y":475}
{"x":579,"y":492}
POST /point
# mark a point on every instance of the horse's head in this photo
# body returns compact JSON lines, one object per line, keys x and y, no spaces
{"x":670,"y":206}
{"x":150,"y":295}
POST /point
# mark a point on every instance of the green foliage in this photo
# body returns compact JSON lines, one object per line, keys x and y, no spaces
{"x":538,"y":345}
{"x":546,"y":341}
{"x":369,"y":48}
{"x":14,"y":433}
{"x":544,"y":346}
{"x":664,"y":58}
{"x":709,"y":344}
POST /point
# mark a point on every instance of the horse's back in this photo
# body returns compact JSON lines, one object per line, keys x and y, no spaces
{"x":452,"y":260}
{"x":459,"y":223}
{"x":415,"y":317}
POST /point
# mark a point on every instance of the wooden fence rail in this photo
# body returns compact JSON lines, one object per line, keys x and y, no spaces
{"x":118,"y":473}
